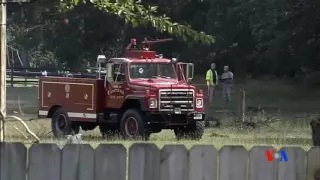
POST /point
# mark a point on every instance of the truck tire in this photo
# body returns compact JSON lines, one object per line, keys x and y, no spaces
{"x":193,"y":131}
{"x":61,"y":125}
{"x":132,"y":126}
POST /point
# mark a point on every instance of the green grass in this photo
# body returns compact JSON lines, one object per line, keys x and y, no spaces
{"x":289,"y":108}
{"x":271,"y":96}
{"x":277,"y":134}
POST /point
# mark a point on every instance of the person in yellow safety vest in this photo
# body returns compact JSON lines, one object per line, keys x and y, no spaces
{"x":212,"y":81}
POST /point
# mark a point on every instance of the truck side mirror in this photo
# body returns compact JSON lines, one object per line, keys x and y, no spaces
{"x":110,"y":72}
{"x":185,"y":69}
{"x":190,"y":71}
{"x":101,"y":59}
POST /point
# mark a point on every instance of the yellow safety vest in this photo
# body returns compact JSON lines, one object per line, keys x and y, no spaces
{"x":209,"y":78}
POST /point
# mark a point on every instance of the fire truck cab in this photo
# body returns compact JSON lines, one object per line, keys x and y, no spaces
{"x":141,"y":93}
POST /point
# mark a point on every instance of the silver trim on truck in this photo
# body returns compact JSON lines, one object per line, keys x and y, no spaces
{"x":170,"y":99}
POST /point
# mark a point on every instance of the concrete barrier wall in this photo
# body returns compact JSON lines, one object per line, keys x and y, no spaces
{"x":147,"y":162}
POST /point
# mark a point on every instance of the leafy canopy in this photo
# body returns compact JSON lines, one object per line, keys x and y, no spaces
{"x":138,"y":14}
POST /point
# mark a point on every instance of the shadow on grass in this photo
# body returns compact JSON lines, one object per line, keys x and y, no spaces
{"x":273,"y":140}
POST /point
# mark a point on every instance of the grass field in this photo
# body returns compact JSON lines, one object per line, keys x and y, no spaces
{"x":288,"y":110}
{"x":279,"y":134}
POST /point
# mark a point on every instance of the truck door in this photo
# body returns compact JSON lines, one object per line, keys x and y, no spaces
{"x":115,"y":94}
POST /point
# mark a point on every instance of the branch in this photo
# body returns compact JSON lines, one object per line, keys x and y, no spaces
{"x":138,"y":15}
{"x":6,"y":118}
{"x":25,"y":126}
{"x":18,"y":130}
{"x":19,"y":106}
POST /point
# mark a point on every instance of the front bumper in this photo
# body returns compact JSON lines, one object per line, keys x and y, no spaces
{"x":194,"y":115}
{"x":171,"y":118}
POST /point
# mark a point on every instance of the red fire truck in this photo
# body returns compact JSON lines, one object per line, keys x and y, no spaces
{"x":141,"y":93}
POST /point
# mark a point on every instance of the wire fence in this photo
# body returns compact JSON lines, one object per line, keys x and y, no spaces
{"x":29,"y":76}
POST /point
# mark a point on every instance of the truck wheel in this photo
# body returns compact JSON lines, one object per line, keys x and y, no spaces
{"x":108,"y":133}
{"x":193,"y":131}
{"x":131,"y":126}
{"x":61,"y":124}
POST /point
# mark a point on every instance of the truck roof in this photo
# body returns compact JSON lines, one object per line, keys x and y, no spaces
{"x":142,"y":60}
{"x":143,"y":54}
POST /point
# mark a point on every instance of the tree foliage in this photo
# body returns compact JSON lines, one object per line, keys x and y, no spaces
{"x":138,"y":14}
{"x":254,"y":37}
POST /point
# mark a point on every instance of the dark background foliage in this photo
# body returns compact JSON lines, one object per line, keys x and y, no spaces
{"x":254,"y":37}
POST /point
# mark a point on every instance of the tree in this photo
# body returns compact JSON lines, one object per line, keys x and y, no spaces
{"x":139,"y":14}
{"x":256,"y":37}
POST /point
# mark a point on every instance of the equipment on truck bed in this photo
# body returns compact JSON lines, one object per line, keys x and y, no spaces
{"x":141,"y":93}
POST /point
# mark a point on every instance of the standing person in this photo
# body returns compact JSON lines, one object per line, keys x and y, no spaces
{"x":227,"y":83}
{"x":212,"y":81}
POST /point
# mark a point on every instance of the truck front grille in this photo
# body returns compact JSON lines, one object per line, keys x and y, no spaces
{"x":176,"y":99}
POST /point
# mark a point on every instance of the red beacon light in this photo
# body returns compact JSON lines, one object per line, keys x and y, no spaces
{"x":65,"y":21}
{"x":133,"y":43}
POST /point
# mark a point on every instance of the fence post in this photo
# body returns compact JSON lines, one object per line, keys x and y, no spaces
{"x":3,"y":65}
{"x":11,"y":74}
{"x":243,"y":115}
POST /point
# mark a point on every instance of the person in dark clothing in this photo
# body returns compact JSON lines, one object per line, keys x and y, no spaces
{"x":227,"y":83}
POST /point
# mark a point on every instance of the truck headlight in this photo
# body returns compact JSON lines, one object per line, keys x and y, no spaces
{"x":199,"y":103}
{"x":153,"y":103}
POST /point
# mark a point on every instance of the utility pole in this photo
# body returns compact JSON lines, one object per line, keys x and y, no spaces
{"x":3,"y":67}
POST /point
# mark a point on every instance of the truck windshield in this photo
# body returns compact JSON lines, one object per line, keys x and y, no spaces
{"x":152,"y":70}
